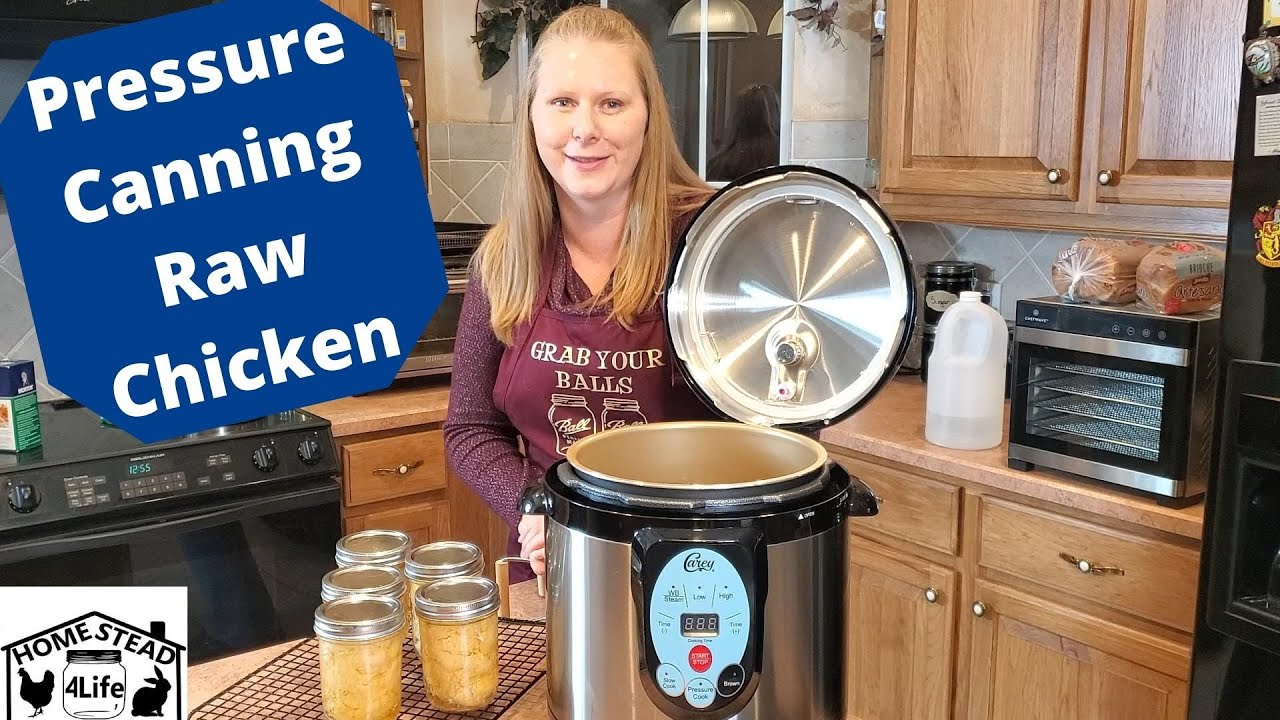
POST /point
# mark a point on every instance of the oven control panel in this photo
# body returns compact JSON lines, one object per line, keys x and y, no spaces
{"x":108,"y":484}
{"x":700,"y":624}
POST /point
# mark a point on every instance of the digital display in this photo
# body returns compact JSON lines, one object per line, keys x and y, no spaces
{"x":148,"y":467}
{"x":699,"y":625}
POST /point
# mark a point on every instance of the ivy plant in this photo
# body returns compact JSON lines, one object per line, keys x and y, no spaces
{"x":820,"y":18}
{"x":496,"y":27}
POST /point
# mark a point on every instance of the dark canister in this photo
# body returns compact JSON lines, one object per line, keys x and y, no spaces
{"x":944,"y":281}
{"x":927,"y":334}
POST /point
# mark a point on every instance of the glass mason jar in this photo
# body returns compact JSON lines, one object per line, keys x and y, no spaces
{"x":369,"y":580}
{"x":361,"y":657}
{"x":456,"y":625}
{"x":93,"y":684}
{"x":373,"y":547}
{"x":426,"y":564}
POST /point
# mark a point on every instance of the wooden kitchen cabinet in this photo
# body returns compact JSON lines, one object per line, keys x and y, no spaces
{"x":357,"y":10}
{"x":1034,"y":660}
{"x":1112,"y":115}
{"x":400,"y":480}
{"x":901,"y":641}
{"x":961,"y":605}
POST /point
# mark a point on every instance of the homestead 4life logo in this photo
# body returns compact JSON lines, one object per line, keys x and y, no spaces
{"x":104,"y":653}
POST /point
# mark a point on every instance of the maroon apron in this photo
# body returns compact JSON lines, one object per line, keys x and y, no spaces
{"x":568,"y":376}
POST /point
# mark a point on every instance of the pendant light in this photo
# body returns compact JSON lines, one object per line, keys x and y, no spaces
{"x":775,"y":25}
{"x":726,"y":20}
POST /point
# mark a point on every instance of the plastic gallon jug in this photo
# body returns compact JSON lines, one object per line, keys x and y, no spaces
{"x":965,"y":401}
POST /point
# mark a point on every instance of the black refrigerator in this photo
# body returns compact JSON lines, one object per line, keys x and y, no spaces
{"x":1236,"y":653}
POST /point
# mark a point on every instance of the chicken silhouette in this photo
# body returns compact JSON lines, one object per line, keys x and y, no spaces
{"x":37,"y":694}
{"x":149,"y":701}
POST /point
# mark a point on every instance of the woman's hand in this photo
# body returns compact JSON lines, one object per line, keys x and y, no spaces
{"x":533,"y":542}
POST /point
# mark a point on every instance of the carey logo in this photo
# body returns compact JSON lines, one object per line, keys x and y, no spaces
{"x":693,"y":562}
{"x":98,"y":666}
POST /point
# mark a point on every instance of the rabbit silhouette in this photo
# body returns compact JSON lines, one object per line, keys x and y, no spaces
{"x":149,"y":701}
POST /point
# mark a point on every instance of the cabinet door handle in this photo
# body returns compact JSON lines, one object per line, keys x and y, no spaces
{"x":1106,"y":177}
{"x":1055,"y":176}
{"x":979,"y":609}
{"x":1087,"y":567}
{"x":402,"y":469}
{"x":931,"y":595}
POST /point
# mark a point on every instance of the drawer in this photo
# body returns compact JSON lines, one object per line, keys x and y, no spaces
{"x":393,"y":467}
{"x":1148,"y":578}
{"x":424,"y":522}
{"x":913,"y":508}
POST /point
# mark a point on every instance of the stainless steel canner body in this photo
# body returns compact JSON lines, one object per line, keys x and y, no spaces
{"x":594,"y":633}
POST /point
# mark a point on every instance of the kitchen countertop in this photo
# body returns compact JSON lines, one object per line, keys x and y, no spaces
{"x":207,"y":680}
{"x":891,"y":428}
{"x":419,"y":401}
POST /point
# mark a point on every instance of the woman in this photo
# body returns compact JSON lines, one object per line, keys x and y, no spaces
{"x":561,"y":332}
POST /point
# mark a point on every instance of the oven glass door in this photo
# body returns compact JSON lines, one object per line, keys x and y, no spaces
{"x":435,"y":346}
{"x":252,"y":564}
{"x":1112,"y":411}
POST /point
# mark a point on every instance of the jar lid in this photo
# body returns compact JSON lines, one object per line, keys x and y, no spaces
{"x":359,"y":617}
{"x":950,"y":268}
{"x":790,"y":299}
{"x":457,"y":599}
{"x":362,"y":580}
{"x":108,"y":656}
{"x":373,"y":547}
{"x":443,"y":559}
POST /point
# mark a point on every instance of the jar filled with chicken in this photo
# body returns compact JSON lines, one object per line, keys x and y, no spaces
{"x":373,"y":547}
{"x":456,"y":627}
{"x":382,"y":580}
{"x":360,"y":640}
{"x":438,"y":561}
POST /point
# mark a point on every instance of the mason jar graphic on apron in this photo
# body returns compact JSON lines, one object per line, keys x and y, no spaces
{"x":572,"y":420}
{"x":620,"y":412}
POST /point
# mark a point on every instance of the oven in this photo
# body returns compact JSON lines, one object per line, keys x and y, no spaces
{"x":1116,"y":394}
{"x":249,"y":533}
{"x":432,"y":352}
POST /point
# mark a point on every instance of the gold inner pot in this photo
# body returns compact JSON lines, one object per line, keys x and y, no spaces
{"x":692,"y":455}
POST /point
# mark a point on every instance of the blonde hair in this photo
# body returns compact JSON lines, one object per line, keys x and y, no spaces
{"x":508,"y":260}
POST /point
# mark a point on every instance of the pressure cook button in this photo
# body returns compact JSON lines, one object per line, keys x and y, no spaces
{"x":730,"y":681}
{"x":700,"y":693}
{"x":670,"y":680}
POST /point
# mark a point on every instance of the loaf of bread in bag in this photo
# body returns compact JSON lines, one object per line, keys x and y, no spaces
{"x":1099,"y":270}
{"x":1181,"y":278}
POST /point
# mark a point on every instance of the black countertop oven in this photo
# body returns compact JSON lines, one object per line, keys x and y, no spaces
{"x":432,"y":353}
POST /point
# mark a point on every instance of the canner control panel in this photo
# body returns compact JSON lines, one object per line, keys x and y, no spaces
{"x":700,"y":626}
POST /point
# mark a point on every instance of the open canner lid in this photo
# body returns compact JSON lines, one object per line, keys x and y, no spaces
{"x":790,"y":300}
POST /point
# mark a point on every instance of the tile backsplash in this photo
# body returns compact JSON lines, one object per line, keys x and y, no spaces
{"x":1018,"y":260}
{"x":469,"y":165}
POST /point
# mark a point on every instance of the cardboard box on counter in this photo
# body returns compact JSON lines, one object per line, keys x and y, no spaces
{"x":19,"y":411}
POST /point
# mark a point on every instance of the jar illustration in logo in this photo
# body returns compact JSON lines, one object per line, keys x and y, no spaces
{"x":93,"y":684}
{"x":619,"y":412}
{"x":571,"y":419}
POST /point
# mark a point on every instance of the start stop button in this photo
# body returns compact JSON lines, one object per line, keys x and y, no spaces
{"x":700,"y":658}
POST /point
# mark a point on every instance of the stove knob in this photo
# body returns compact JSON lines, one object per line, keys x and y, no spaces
{"x":310,"y":451}
{"x":264,"y":458}
{"x":23,"y":498}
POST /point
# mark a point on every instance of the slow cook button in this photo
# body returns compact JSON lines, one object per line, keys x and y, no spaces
{"x":700,"y":693}
{"x":700,"y":658}
{"x":670,"y":680}
{"x":730,"y":681}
